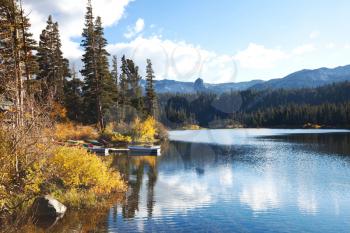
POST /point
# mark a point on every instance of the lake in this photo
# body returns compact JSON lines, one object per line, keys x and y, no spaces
{"x":241,"y":180}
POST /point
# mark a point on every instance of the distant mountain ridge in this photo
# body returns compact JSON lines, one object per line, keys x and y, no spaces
{"x":297,"y":80}
{"x":308,"y":79}
{"x":172,"y":86}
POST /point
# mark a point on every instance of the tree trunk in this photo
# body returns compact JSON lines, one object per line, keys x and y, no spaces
{"x":25,"y":48}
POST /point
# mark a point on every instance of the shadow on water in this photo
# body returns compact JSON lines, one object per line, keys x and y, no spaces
{"x":332,"y":143}
{"x":197,"y":156}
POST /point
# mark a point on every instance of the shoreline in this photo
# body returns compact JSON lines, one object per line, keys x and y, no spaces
{"x":264,"y":127}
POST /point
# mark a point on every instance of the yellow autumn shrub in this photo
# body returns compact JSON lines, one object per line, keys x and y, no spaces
{"x":66,"y":131}
{"x":192,"y":127}
{"x":20,"y":168}
{"x":144,"y":131}
{"x":79,"y":169}
{"x":115,"y":137}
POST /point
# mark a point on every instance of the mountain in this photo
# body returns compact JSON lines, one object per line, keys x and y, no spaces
{"x":308,"y":79}
{"x":297,"y":80}
{"x":172,"y":86}
{"x":225,"y":87}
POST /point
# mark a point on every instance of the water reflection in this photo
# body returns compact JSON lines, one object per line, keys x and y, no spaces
{"x":133,"y":170}
{"x":73,"y":221}
{"x":263,"y":181}
{"x":284,"y":181}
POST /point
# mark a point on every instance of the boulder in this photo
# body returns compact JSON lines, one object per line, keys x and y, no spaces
{"x":47,"y":206}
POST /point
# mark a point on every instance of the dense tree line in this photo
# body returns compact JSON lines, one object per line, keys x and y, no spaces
{"x":105,"y":95}
{"x":38,"y":72}
{"x":327,"y":105}
{"x":32,"y":71}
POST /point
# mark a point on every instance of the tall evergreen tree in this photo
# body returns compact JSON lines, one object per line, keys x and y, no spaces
{"x":124,"y":99}
{"x":114,"y":71}
{"x":115,"y":78}
{"x":151,"y":97}
{"x":8,"y":63}
{"x":99,"y":88}
{"x":29,"y":45}
{"x":133,"y":79}
{"x":16,"y":45}
{"x":53,"y":68}
{"x":108,"y":85}
{"x":92,"y":97}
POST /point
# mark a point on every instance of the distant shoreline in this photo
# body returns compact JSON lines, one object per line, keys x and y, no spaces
{"x":265,"y":127}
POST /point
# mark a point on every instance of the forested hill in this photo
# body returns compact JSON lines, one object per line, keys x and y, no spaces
{"x":328,"y":106}
{"x":300,"y":79}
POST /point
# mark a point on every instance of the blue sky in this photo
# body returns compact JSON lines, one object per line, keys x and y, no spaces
{"x":231,"y":24}
{"x":220,"y":41}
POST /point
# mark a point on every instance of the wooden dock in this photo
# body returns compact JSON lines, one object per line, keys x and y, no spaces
{"x":131,"y":150}
{"x":99,"y":151}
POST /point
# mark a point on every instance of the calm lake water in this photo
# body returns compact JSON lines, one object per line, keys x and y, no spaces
{"x":257,"y":180}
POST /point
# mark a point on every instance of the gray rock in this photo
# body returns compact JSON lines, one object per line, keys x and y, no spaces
{"x":47,"y":206}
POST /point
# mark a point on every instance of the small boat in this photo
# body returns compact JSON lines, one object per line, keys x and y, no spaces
{"x":99,"y":150}
{"x":94,"y":142}
{"x":144,"y":150}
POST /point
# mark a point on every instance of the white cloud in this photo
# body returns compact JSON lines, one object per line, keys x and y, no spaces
{"x":140,"y":25}
{"x":306,"y":48}
{"x":182,"y":61}
{"x":314,"y":34}
{"x":259,"y":57}
{"x":172,"y":59}
{"x":133,"y":31}
{"x":178,"y":59}
{"x":330,"y":45}
{"x":70,"y":16}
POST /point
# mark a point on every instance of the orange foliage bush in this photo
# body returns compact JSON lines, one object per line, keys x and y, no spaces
{"x":58,"y":112}
{"x":66,"y":131}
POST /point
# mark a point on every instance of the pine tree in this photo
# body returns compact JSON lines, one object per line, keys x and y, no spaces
{"x":151,"y":98}
{"x":123,"y":88}
{"x":115,"y":78}
{"x":7,"y":60}
{"x":92,"y":98}
{"x":99,"y":88}
{"x":73,"y":96}
{"x":17,"y":61}
{"x":53,"y":68}
{"x":108,"y":85}
{"x":114,"y":71}
{"x":61,"y":65}
{"x":134,"y":87}
{"x":29,"y":45}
